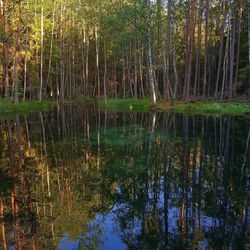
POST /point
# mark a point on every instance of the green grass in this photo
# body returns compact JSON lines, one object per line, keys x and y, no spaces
{"x":125,"y":105}
{"x":209,"y":108}
{"x":205,"y":108}
{"x":8,"y":108}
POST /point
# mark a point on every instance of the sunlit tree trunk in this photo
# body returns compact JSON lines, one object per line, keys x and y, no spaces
{"x":16,"y":59}
{"x":198,"y":52}
{"x":189,"y":46}
{"x":5,"y":50}
{"x":41,"y":55}
{"x":150,"y":56}
{"x":166,"y":54}
{"x":62,"y":70}
{"x":51,"y":49}
{"x":135,"y":59}
{"x":26,"y":51}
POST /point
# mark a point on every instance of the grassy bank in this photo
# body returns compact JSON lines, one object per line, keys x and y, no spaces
{"x":8,"y":108}
{"x":206,"y":107}
{"x":125,"y":105}
{"x":209,"y":108}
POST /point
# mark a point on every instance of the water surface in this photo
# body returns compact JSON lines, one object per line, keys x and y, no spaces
{"x":79,"y":178}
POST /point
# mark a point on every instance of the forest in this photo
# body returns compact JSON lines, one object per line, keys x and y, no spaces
{"x":124,"y":124}
{"x":158,"y":49}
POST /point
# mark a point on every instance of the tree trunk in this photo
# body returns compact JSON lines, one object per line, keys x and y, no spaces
{"x":51,"y":49}
{"x":41,"y":55}
{"x":232,"y":49}
{"x":26,"y":52}
{"x":97,"y":62}
{"x":16,"y":60}
{"x":205,"y":50}
{"x":198,"y":52}
{"x":62,"y":73}
{"x":83,"y":49}
{"x":189,"y":47}
{"x":5,"y":50}
{"x":141,"y":76}
{"x":105,"y":73}
{"x":150,"y":57}
{"x":167,"y":54}
{"x":87,"y":63}
{"x":221,"y":47}
{"x":174,"y":56}
{"x":124,"y":76}
{"x":225,"y":67}
{"x":249,"y":34}
{"x":238,"y":43}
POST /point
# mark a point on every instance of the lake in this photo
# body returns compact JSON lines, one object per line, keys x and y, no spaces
{"x":81,"y":178}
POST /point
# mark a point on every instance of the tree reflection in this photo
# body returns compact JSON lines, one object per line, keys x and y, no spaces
{"x":169,"y":181}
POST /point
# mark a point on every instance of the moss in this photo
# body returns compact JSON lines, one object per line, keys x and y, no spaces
{"x":8,"y":108}
{"x":125,"y":105}
{"x":210,"y":108}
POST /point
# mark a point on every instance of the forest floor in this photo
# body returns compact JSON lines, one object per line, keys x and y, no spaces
{"x":8,"y":108}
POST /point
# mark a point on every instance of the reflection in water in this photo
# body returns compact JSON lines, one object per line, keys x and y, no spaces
{"x":77,"y":178}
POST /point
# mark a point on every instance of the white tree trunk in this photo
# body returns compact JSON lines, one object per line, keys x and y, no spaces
{"x":51,"y":47}
{"x":26,"y":53}
{"x":41,"y":56}
{"x":150,"y":58}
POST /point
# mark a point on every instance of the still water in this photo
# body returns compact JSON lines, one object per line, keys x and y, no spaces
{"x":80,"y":178}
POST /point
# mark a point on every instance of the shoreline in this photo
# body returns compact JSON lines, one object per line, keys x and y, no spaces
{"x":209,"y":107}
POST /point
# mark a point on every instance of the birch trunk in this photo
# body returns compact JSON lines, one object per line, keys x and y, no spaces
{"x":41,"y":55}
{"x":97,"y":63}
{"x":51,"y":48}
{"x":150,"y":57}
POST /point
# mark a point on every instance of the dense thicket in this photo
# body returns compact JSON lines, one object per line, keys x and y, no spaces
{"x":119,"y":48}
